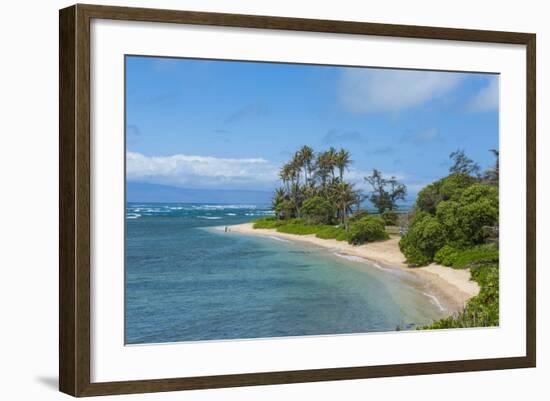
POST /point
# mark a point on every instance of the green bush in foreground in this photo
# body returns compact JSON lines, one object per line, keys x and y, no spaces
{"x":458,"y":218}
{"x":416,"y":258}
{"x":446,"y":255}
{"x":425,"y":237}
{"x":368,"y":229}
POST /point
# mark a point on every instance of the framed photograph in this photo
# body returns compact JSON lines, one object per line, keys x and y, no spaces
{"x":250,"y":200}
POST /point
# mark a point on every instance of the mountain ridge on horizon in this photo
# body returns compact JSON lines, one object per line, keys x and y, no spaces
{"x":147,"y":192}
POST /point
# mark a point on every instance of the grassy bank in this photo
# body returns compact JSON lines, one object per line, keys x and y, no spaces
{"x":360,"y":228}
{"x":300,"y":227}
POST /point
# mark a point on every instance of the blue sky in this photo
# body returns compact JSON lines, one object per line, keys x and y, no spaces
{"x":231,"y":125}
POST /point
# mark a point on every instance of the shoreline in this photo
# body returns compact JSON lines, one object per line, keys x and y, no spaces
{"x":453,"y":287}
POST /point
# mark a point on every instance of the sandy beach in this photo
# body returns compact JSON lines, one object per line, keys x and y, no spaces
{"x":453,"y":287}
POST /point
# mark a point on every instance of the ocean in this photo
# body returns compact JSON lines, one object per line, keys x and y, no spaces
{"x":186,"y":279}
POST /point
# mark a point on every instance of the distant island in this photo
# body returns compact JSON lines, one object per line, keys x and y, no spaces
{"x":450,"y":236}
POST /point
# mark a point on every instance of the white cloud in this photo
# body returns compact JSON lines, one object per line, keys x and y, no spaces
{"x":189,"y":171}
{"x":201,"y":171}
{"x":377,"y":90}
{"x":487,"y":98}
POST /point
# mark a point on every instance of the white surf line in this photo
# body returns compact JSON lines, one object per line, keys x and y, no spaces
{"x":277,"y":238}
{"x":362,"y":259}
{"x":434,"y":299}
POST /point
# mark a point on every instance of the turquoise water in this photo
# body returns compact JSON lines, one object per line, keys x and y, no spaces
{"x":189,"y":280}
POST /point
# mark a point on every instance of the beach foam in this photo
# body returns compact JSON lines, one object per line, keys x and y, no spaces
{"x":435,"y":300}
{"x":278,"y":239}
{"x":360,"y":259}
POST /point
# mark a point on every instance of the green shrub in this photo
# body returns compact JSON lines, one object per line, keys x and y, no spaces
{"x":464,"y":219}
{"x":446,"y":255}
{"x":415,"y":257}
{"x":267,"y":222}
{"x":428,"y":198}
{"x":317,"y":210}
{"x":478,"y":209}
{"x":454,"y":211}
{"x":477,"y":192}
{"x":390,"y":218}
{"x":298,"y":229}
{"x":367,"y":229}
{"x":448,"y":188}
{"x":357,"y":215}
{"x":329,"y":232}
{"x":418,"y":217}
{"x":477,"y":256}
{"x":343,"y":236}
{"x":448,"y":214}
{"x":299,"y":226}
{"x":273,"y":222}
{"x":452,"y":186}
{"x":424,"y":238}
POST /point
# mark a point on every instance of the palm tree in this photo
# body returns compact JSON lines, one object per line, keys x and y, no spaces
{"x":286,"y":175}
{"x":296,"y":197}
{"x":278,"y":197}
{"x":296,"y":166}
{"x":344,"y":197}
{"x":306,"y":157}
{"x":309,"y":174}
{"x":331,"y":155}
{"x":342,"y":162}
{"x":323,"y":170}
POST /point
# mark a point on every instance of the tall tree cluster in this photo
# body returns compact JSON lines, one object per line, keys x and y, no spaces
{"x":315,"y":180}
{"x":314,"y":186}
{"x":456,"y":213}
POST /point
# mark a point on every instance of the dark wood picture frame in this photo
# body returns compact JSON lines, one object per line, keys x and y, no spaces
{"x":74,"y":199}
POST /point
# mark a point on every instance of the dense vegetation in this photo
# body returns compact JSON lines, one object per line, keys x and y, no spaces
{"x":316,"y":199}
{"x":301,"y":227}
{"x":455,"y":213}
{"x":454,"y":223}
